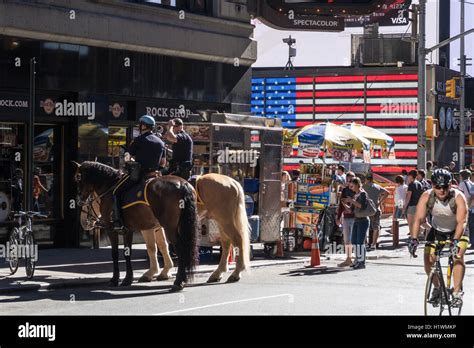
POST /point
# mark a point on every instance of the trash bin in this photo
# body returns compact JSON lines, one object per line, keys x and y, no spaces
{"x":254,"y":222}
{"x":249,"y":205}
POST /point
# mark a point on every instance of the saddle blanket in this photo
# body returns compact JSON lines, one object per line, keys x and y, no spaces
{"x":133,"y":195}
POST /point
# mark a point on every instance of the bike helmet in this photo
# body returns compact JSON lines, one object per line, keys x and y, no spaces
{"x":441,"y":177}
{"x":147,"y":120}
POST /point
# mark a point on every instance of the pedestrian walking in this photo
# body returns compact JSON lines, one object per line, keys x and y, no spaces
{"x":404,"y":175}
{"x":361,"y":224}
{"x":347,"y":216}
{"x":421,"y":177}
{"x":467,"y":187}
{"x":429,"y":170}
{"x":413,"y":195}
{"x":378,"y":195}
{"x":400,"y":196}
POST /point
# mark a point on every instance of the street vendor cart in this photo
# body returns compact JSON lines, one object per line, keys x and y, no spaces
{"x":249,"y":149}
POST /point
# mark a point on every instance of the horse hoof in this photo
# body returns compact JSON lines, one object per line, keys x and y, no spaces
{"x":176,"y":288}
{"x":233,"y":279}
{"x":114,"y":282}
{"x":144,"y":279}
{"x":214,"y":279}
{"x":162,"y":277}
{"x":126,"y":282}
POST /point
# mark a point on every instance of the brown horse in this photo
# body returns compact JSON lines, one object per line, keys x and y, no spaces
{"x":171,"y":203}
{"x":222,"y":199}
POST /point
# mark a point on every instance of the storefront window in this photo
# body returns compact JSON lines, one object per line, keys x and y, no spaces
{"x":116,"y":143}
{"x":12,"y":165}
{"x":93,"y":139}
{"x":46,"y":171}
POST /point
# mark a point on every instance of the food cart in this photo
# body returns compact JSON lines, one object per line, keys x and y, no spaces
{"x":249,"y":149}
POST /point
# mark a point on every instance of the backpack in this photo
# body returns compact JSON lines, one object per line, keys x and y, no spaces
{"x":369,"y":210}
{"x":451,"y":201}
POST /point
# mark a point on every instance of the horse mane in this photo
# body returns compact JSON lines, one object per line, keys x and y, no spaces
{"x":98,"y":174}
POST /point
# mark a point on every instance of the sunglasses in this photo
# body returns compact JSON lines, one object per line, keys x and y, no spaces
{"x":441,"y":187}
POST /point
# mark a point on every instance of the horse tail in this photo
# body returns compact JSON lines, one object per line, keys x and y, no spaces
{"x":242,"y":225}
{"x":187,"y":234}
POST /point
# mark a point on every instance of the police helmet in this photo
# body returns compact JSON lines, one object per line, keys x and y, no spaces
{"x":147,"y":120}
{"x":441,"y":177}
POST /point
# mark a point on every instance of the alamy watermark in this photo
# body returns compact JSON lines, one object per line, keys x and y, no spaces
{"x":398,"y":108}
{"x":15,"y":251}
{"x":65,"y":108}
{"x":237,"y":156}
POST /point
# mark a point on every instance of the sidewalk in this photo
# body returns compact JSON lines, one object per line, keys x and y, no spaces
{"x":68,"y":268}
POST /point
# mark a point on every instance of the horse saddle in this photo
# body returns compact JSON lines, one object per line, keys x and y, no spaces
{"x":131,"y":193}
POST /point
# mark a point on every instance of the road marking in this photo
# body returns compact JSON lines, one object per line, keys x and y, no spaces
{"x":225,"y":303}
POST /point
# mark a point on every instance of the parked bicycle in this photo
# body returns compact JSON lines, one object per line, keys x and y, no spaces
{"x":22,"y":242}
{"x":436,"y":305}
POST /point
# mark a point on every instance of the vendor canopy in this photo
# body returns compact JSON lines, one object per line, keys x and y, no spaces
{"x":375,"y":136}
{"x":329,"y":135}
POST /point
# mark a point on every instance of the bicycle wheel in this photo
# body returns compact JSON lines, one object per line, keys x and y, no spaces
{"x":432,"y":307}
{"x":30,"y":262}
{"x":13,"y":258}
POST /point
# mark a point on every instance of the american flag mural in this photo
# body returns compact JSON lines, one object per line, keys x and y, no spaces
{"x":388,"y":101}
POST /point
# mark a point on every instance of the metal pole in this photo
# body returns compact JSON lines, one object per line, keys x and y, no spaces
{"x":421,"y":162}
{"x":462,"y":131}
{"x":31,"y":135}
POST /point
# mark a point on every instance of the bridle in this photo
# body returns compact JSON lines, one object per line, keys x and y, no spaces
{"x":92,"y":217}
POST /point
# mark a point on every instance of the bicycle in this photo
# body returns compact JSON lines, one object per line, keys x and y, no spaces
{"x":22,"y":235}
{"x":446,"y":290}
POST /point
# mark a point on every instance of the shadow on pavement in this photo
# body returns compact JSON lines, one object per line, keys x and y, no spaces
{"x":315,"y":271}
{"x":95,"y":292}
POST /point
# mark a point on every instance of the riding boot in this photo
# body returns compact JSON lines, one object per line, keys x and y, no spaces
{"x":117,"y":215}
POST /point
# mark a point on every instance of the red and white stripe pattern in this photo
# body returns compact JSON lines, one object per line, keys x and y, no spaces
{"x":390,"y":106}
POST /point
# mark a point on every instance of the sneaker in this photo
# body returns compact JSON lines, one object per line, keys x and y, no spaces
{"x":456,"y":300}
{"x":346,"y":263}
{"x":435,"y":296}
{"x":353,"y":264}
{"x":359,"y":265}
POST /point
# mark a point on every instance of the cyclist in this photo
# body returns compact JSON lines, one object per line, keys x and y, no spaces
{"x":448,"y":208}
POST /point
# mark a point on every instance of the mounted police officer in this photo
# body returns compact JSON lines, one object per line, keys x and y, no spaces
{"x":182,"y":161}
{"x":148,"y":151}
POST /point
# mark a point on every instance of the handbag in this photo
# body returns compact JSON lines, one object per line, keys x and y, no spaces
{"x":370,"y":210}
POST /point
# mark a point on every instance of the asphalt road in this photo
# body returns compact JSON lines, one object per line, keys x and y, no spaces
{"x":388,"y":286}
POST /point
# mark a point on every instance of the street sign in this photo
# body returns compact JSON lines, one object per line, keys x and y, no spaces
{"x":467,"y":113}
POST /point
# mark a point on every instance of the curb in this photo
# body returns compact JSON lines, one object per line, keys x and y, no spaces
{"x":81,"y":282}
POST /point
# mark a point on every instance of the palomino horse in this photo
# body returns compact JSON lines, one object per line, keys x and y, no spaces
{"x":170,"y":202}
{"x":222,"y":199}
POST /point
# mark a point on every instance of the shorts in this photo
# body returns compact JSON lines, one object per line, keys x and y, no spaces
{"x":375,"y":221}
{"x":435,"y":235}
{"x":411,"y":210}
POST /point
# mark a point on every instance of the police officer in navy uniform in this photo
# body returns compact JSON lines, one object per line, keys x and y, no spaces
{"x":148,"y":150}
{"x":182,"y":161}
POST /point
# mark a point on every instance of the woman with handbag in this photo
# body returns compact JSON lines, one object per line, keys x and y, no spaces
{"x":362,"y":207}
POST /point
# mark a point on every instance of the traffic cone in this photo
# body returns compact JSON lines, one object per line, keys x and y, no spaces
{"x":231,"y":258}
{"x":315,"y":254}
